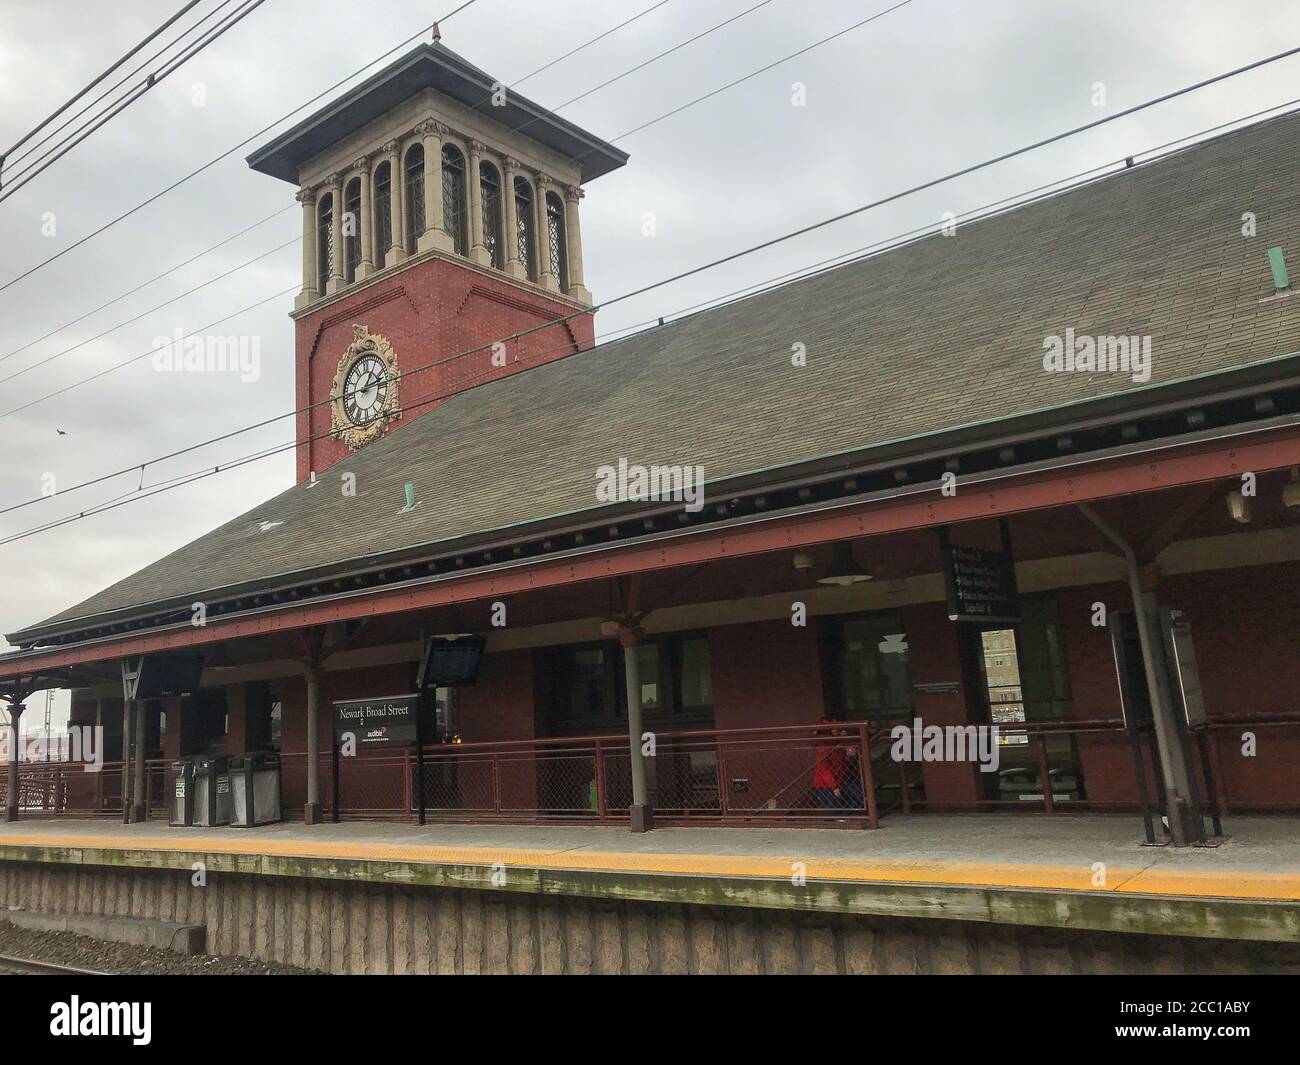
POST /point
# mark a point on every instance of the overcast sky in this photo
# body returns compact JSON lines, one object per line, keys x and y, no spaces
{"x":929,"y":88}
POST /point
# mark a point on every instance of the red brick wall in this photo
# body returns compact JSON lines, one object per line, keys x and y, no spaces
{"x":765,"y":673}
{"x":428,"y":312}
{"x":500,"y":705}
{"x":933,"y":656}
{"x":1106,"y":759}
{"x":1246,"y":629}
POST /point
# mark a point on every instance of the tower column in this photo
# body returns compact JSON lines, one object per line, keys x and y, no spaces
{"x":335,"y":186}
{"x":547,"y":275}
{"x":366,"y":223}
{"x":397,"y":207}
{"x":307,"y":197}
{"x":477,"y":249}
{"x":510,"y":254}
{"x":435,"y":231}
{"x":573,"y":241}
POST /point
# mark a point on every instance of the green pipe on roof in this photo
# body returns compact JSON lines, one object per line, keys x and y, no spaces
{"x":1277,"y":263}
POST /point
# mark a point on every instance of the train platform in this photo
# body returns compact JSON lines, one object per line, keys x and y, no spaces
{"x":1067,"y":871}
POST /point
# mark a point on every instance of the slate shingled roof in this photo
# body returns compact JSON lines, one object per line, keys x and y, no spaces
{"x":945,"y":332}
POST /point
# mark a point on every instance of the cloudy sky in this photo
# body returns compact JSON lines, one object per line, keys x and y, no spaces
{"x":929,"y":88}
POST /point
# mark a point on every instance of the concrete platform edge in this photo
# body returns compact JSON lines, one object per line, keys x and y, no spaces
{"x":1197,"y":917}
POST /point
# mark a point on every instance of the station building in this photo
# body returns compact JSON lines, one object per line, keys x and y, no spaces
{"x":1042,"y":471}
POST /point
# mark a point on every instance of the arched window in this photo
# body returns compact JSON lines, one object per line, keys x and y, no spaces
{"x":555,"y":234}
{"x":352,"y":228}
{"x":324,"y":241}
{"x":525,"y":225}
{"x":383,"y":213}
{"x":414,"y":174}
{"x":453,"y":198}
{"x":490,"y":187}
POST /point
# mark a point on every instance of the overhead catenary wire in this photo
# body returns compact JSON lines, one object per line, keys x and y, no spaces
{"x":145,"y":284}
{"x":32,"y":149}
{"x":212,"y":162}
{"x":640,"y":66}
{"x":152,"y":310}
{"x":289,"y":207}
{"x":1046,"y":190}
{"x":70,"y":142}
{"x":812,"y":227}
{"x":78,"y":95}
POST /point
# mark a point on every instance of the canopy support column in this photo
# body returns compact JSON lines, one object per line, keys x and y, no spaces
{"x":313,"y":641}
{"x":1169,"y":748}
{"x":11,"y":770}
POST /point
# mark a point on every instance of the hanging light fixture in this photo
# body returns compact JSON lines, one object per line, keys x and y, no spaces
{"x":843,"y":570}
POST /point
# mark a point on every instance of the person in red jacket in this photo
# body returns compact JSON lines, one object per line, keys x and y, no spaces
{"x":830,"y":769}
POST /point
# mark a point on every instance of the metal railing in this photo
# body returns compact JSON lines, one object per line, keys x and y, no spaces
{"x":1036,"y":785}
{"x":76,"y":789}
{"x":840,"y":775}
{"x":808,"y":774}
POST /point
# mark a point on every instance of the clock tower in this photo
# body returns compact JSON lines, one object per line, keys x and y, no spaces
{"x":441,"y":245}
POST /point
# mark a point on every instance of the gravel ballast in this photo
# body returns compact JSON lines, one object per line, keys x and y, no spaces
{"x":65,"y":948}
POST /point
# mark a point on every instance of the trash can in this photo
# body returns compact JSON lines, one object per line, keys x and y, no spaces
{"x":211,"y":791}
{"x":182,"y":804}
{"x":255,"y":789}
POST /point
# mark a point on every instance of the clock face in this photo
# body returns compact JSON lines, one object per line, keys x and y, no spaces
{"x":365,"y":389}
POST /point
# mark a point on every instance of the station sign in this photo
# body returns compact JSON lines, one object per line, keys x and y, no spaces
{"x":377,"y":722}
{"x":981,"y":585}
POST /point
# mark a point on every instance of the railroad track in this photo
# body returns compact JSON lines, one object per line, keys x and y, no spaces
{"x":12,"y":965}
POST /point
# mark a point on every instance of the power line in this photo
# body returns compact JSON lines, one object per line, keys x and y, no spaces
{"x":77,"y":96}
{"x":157,"y":277}
{"x":610,"y":81}
{"x":888,"y":244}
{"x":151,"y":310}
{"x":212,"y":162}
{"x":144,"y":355}
{"x":589,"y":92}
{"x":824,"y":222}
{"x":72,"y":140}
{"x":145,"y":284}
{"x":67,"y":122}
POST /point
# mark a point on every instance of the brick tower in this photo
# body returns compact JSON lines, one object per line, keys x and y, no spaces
{"x":440,"y":214}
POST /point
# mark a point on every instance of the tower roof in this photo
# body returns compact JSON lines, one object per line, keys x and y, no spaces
{"x":437,"y":67}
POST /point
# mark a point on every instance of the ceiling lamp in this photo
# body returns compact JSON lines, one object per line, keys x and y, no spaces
{"x":843,"y":570}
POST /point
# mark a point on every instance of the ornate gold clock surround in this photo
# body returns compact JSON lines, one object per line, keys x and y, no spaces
{"x":341,"y":426}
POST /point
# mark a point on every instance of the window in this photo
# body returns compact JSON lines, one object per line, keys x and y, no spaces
{"x":1044,"y":676}
{"x":490,"y":187}
{"x":383,"y":213}
{"x":586,"y":696}
{"x":453,"y":198}
{"x":414,"y":174}
{"x":589,"y":688}
{"x":352,"y":228}
{"x":324,"y":242}
{"x":875,"y":679}
{"x":555,"y":235}
{"x":525,"y":223}
{"x":263,"y":715}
